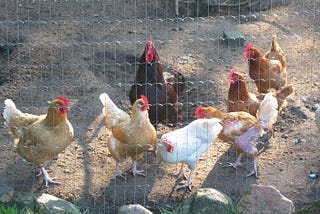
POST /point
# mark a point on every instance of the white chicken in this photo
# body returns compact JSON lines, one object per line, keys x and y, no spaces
{"x":187,"y":144}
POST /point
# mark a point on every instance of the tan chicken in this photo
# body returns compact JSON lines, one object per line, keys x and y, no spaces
{"x":276,"y":52}
{"x":41,"y":138}
{"x":239,"y":99}
{"x":267,"y":73}
{"x":242,"y":129}
{"x":130,"y":136}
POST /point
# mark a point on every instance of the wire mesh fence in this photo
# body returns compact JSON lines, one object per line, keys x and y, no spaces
{"x":80,"y":49}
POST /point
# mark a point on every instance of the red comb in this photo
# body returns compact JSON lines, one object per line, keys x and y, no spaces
{"x":64,"y":100}
{"x":150,"y":50}
{"x":231,"y":73}
{"x":197,"y":111}
{"x":145,"y":100}
{"x":248,"y":47}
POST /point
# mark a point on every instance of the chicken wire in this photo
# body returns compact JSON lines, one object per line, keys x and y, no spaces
{"x":81,"y":49}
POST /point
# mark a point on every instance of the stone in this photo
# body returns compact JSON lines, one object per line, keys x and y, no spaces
{"x":265,"y":200}
{"x":133,"y":209}
{"x":45,"y":203}
{"x":233,"y":38}
{"x":207,"y":200}
{"x":6,"y":193}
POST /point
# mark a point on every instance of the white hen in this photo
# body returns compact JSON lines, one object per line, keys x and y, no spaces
{"x":187,"y":144}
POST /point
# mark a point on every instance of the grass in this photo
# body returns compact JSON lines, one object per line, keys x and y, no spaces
{"x":13,"y":209}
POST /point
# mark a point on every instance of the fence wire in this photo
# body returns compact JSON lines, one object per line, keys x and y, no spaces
{"x":81,"y":49}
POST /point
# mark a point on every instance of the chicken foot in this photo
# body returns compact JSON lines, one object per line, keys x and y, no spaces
{"x":255,"y":168}
{"x":135,"y":171}
{"x":47,"y":178}
{"x":188,"y":185}
{"x":181,"y":174}
{"x":236,"y":164}
{"x":118,"y":173}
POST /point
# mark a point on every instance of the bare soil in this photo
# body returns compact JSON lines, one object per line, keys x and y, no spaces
{"x":81,"y":49}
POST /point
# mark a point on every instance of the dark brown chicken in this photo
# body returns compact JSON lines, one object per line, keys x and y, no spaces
{"x":162,"y":87}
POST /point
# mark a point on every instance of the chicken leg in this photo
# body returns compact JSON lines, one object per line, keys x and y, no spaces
{"x":188,"y":185}
{"x":181,"y":174}
{"x":135,"y":171}
{"x":118,"y":173}
{"x":255,"y":168}
{"x":47,"y":178}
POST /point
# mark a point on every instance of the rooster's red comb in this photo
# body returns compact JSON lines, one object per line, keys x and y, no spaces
{"x":197,"y":111}
{"x":150,"y":50}
{"x":64,"y":100}
{"x":145,"y":100}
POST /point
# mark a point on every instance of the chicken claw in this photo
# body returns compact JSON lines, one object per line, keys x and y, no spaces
{"x":135,"y":171}
{"x":234,"y":165}
{"x":118,"y":173}
{"x":186,"y":187}
{"x":47,"y":178}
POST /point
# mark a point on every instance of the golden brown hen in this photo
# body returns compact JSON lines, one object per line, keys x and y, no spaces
{"x":131,"y":136}
{"x":40,"y":138}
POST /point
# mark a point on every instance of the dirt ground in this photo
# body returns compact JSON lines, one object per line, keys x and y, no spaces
{"x":83,"y":48}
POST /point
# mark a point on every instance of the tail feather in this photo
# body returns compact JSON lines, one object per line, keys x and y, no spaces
{"x":268,"y":113}
{"x":9,"y":110}
{"x":112,"y":113}
{"x":281,"y":95}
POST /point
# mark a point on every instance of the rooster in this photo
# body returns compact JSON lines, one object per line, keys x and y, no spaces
{"x":41,"y":138}
{"x":242,"y":129}
{"x":187,"y":144}
{"x":130,"y":135}
{"x":163,"y":88}
{"x":267,"y":73}
{"x":239,"y":99}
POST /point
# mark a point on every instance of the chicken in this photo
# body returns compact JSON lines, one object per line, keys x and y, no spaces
{"x":41,"y":138}
{"x":239,"y":99}
{"x":187,"y":144}
{"x":242,"y":129}
{"x":276,"y":52}
{"x":130,"y":136}
{"x":267,"y":73}
{"x":163,"y":88}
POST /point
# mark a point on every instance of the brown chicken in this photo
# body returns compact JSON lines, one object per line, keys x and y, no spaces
{"x":162,"y":87}
{"x":242,"y":129}
{"x":239,"y":99}
{"x":131,"y":136}
{"x":267,"y":73}
{"x":40,"y":138}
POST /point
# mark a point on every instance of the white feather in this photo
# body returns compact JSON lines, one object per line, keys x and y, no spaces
{"x":268,"y":113}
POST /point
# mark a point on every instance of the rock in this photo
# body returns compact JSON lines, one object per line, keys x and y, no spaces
{"x":6,"y":193}
{"x":207,"y":200}
{"x":45,"y":203}
{"x":233,"y":38}
{"x":265,"y":200}
{"x":133,"y":209}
